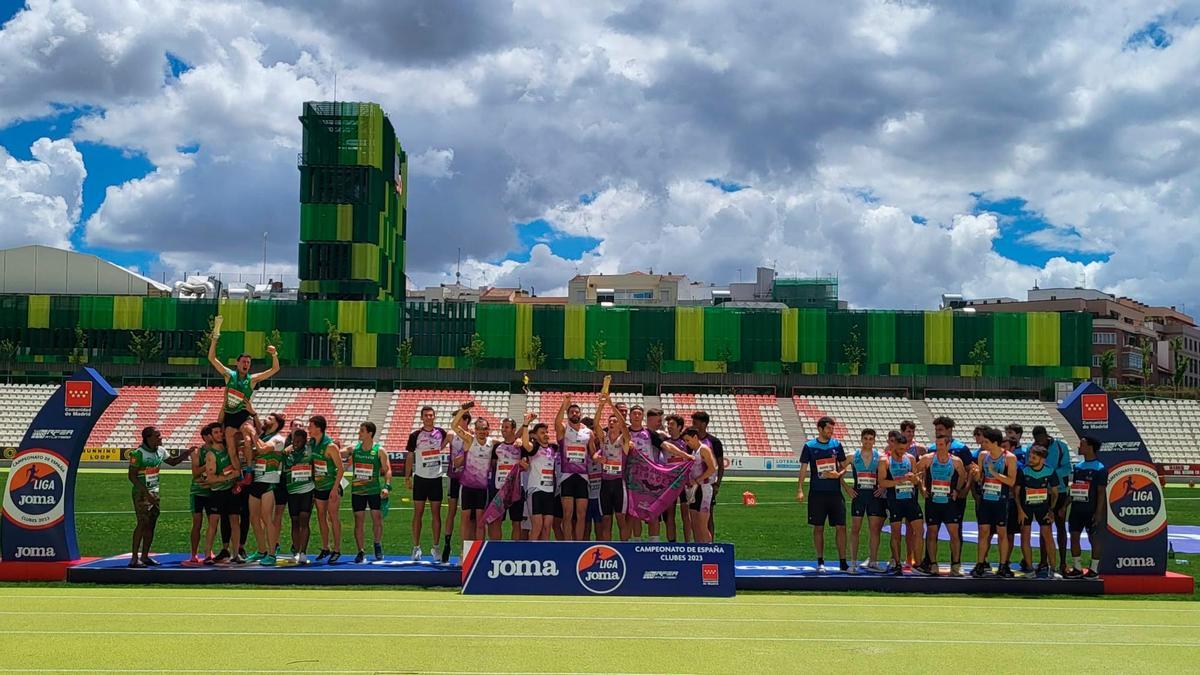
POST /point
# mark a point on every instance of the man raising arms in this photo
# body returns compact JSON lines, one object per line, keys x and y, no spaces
{"x":575,"y":439}
{"x":239,"y":387}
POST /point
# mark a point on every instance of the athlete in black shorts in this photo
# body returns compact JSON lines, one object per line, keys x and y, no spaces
{"x":825,"y":459}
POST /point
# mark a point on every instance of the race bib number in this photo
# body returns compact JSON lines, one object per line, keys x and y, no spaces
{"x":867,"y":481}
{"x":431,"y":458}
{"x":575,"y":454}
{"x":301,"y":474}
{"x":546,"y":479}
{"x":612,"y":467}
{"x":1080,"y":490}
{"x":940,"y":489}
{"x":321,"y":469}
{"x":260,"y":467}
{"x":826,"y":465}
{"x":1036,"y":495}
{"x":904,"y":491}
{"x":233,"y":398}
{"x":152,"y":478}
{"x":363,"y":472}
{"x":991,"y":489}
{"x":502,"y":471}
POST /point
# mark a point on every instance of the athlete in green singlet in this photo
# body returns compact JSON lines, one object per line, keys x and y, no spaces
{"x":239,"y":387}
{"x":327,"y":472}
{"x":143,"y":473}
{"x":372,"y":484}
{"x":199,"y":494}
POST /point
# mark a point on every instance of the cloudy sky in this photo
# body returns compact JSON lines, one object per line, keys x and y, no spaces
{"x":912,"y":148}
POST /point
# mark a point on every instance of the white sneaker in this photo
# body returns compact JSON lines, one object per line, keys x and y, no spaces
{"x":956,"y":571}
{"x":437,"y":554}
{"x":301,"y":559}
{"x":865,"y":564}
{"x":820,"y":569}
{"x":1056,"y":575}
{"x":853,"y":569}
{"x":877,"y":568}
{"x":416,"y":556}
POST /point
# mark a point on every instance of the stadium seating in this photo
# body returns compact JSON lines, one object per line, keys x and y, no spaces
{"x":404,"y":411}
{"x":344,"y":409}
{"x":1170,"y":428}
{"x":852,"y":414}
{"x":20,"y":402}
{"x":547,"y":403}
{"x":746,"y":424}
{"x":969,"y":413}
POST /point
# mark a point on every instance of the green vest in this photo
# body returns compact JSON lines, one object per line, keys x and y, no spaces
{"x":223,"y":463}
{"x":368,"y":464}
{"x":238,"y":391}
{"x":199,"y":489}
{"x":147,"y":462}
{"x":324,"y":470}
{"x":298,"y":471}
{"x":268,"y":464}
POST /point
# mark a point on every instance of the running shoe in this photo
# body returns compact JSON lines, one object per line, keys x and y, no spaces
{"x":222,"y":556}
{"x":360,"y":558}
{"x":334,"y":556}
{"x":302,"y":559}
{"x":137,"y":565}
{"x":268,"y":560}
{"x":323,"y":554}
{"x":379,"y":552}
{"x":956,"y":571}
{"x":924,"y":570}
{"x":1073,"y":573}
{"x":239,"y":560}
{"x":821,"y":569}
{"x":416,"y":554}
{"x":256,"y":556}
{"x":980,"y":570}
{"x":192,"y":562}
{"x":1091,"y":574}
{"x":853,"y":569}
{"x":1056,"y":576}
{"x":436,"y":553}
{"x":209,"y":560}
{"x":1025,"y":568}
{"x":1005,"y":572}
{"x":896,"y":570}
{"x":876,"y":568}
{"x":151,"y":562}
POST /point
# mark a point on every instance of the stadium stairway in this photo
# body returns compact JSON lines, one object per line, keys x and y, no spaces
{"x":791,"y":423}
{"x":1068,"y":434}
{"x":516,"y":408}
{"x":652,"y":402}
{"x":380,"y":408}
{"x":924,"y":417}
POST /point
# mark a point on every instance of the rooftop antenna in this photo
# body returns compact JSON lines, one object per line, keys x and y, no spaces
{"x":458,"y":269}
{"x":264,"y":272}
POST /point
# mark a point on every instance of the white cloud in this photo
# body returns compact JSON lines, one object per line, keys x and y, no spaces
{"x":518,"y":108}
{"x":40,"y":198}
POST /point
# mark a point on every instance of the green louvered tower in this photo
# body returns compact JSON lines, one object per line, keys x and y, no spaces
{"x":353,"y":204}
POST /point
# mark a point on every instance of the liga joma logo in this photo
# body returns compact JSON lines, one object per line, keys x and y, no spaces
{"x":1135,"y":501}
{"x":34,"y":497}
{"x":600,"y":569}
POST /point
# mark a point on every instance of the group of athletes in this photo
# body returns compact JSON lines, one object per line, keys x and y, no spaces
{"x":1015,"y":488}
{"x":252,"y":468}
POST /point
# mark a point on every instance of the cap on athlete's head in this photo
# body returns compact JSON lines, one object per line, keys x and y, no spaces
{"x":868,"y":432}
{"x":1040,"y":432}
{"x":908,"y":425}
{"x":943,"y":421}
{"x":825,"y":421}
{"x":319,"y":422}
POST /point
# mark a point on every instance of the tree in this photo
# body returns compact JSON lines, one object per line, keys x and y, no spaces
{"x":979,"y":355}
{"x":275,"y":339}
{"x":404,"y":353}
{"x":337,"y":344}
{"x":724,"y":357}
{"x":853,"y":352}
{"x":1108,"y":361}
{"x":146,"y":347}
{"x":474,"y":352}
{"x":1181,"y":363}
{"x":535,"y":355}
{"x":8,"y":356}
{"x":599,"y":347}
{"x":656,"y":355}
{"x":1147,"y":350}
{"x":78,"y":355}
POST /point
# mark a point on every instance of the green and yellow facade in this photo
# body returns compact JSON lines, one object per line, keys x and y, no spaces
{"x":689,"y":339}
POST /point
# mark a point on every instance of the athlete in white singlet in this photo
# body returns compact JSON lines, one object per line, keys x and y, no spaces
{"x":574,"y":441}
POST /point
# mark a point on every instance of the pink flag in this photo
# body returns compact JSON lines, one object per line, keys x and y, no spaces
{"x":508,"y":494}
{"x":650,"y":488}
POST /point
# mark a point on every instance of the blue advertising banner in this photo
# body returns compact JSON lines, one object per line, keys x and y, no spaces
{"x":39,"y":497}
{"x":1136,"y":538}
{"x":597,"y":568}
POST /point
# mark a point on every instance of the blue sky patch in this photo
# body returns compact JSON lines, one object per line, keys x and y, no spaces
{"x":176,"y":66}
{"x":568,"y":247}
{"x":9,"y":9}
{"x":726,"y":185}
{"x":1151,"y":35}
{"x":920,"y":220}
{"x":1019,"y":223}
{"x":864,"y":194}
{"x":588,"y":197}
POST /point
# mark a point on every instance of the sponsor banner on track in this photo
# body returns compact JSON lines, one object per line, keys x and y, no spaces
{"x":598,"y":568}
{"x":104,"y":455}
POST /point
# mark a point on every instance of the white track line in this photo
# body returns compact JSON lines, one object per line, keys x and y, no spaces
{"x":374,"y":635}
{"x":443,"y":598}
{"x":525,"y":617}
